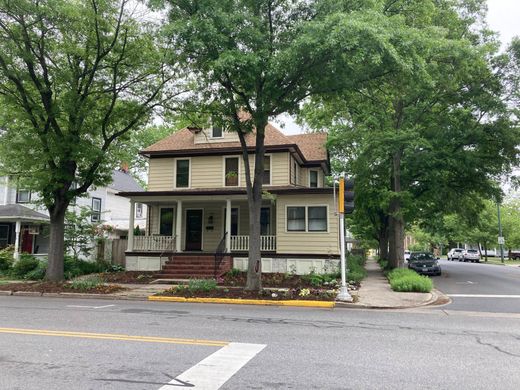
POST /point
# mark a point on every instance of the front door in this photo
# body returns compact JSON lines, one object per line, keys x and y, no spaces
{"x":193,"y":230}
{"x":27,"y":242}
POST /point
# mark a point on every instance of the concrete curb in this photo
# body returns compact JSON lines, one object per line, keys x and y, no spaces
{"x":436,"y":298}
{"x":262,"y":302}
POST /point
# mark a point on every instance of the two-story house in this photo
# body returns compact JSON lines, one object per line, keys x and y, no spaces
{"x":197,"y":204}
{"x":24,"y":222}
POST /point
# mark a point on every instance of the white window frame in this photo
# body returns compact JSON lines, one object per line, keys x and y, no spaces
{"x":175,"y":172}
{"x":317,"y":178}
{"x":306,"y":231}
{"x":19,"y":191}
{"x":224,"y":219}
{"x":213,"y":136}
{"x":270,"y":170}
{"x":96,"y":214}
{"x":139,"y":210}
{"x":224,"y":158}
{"x":174,"y":222}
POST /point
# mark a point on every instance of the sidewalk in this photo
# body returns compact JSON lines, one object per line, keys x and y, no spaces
{"x":375,"y":293}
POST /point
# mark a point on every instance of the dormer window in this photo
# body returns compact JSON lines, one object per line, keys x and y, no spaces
{"x":216,"y":129}
{"x":216,"y":132}
{"x":23,"y":196}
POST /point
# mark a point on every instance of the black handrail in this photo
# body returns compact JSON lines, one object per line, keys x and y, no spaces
{"x":219,"y":253}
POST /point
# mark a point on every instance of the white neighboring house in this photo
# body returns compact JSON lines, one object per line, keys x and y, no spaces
{"x":25,"y":224}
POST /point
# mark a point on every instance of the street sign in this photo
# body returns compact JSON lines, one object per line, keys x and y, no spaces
{"x":501,"y":241}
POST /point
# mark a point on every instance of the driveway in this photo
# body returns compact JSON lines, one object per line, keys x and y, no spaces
{"x":480,"y":287}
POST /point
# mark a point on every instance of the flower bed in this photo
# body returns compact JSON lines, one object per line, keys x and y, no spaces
{"x":50,"y":287}
{"x":266,"y":294}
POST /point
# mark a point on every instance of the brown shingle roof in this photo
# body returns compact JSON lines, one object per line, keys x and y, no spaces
{"x":312,"y":146}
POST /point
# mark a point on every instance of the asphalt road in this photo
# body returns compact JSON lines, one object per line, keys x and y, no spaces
{"x":100,"y":344}
{"x":480,"y":287}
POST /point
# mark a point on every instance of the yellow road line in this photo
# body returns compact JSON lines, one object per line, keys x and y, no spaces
{"x":263,"y":302}
{"x":107,"y":336}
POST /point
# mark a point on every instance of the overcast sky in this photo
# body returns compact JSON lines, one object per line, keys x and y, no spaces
{"x":503,"y":17}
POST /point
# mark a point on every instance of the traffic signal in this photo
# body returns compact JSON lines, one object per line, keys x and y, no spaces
{"x":349,"y":195}
{"x":346,"y":195}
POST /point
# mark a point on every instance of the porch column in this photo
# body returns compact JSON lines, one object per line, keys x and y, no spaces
{"x":130,"y":247}
{"x":17,"y":230}
{"x":178,"y":227}
{"x":228,"y":225}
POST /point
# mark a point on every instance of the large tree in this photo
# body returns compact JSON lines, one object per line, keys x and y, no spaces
{"x":76,"y":77}
{"x":439,"y":126}
{"x":264,"y":57}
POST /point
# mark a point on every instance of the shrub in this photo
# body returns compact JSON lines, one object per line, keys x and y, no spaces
{"x":406,"y":280}
{"x":356,"y":268}
{"x":75,"y":267}
{"x":234,"y":272}
{"x":87,"y":283}
{"x":198,"y":285}
{"x":318,"y":280}
{"x":24,"y":265}
{"x":6,"y":259}
{"x":38,"y":273}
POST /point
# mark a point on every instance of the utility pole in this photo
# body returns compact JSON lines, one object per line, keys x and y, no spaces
{"x":343,"y":291}
{"x":500,"y":237}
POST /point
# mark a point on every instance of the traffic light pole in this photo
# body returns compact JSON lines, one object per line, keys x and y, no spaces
{"x":343,"y":291}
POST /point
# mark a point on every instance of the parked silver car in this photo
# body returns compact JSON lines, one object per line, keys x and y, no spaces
{"x":472,"y":255}
{"x":455,"y":254}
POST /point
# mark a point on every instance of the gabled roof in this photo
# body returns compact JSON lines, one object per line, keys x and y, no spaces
{"x":311,"y":147}
{"x":122,"y":181}
{"x":16,"y":211}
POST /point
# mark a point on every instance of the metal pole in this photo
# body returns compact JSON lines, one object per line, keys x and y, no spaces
{"x":343,"y":291}
{"x":500,"y":234}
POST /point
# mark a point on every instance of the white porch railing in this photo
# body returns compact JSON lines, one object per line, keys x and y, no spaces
{"x":154,"y":243}
{"x":241,"y":243}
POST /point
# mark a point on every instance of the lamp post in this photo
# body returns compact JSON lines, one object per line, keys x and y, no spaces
{"x":343,"y":291}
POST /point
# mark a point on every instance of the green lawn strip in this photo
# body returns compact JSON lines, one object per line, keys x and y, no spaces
{"x":494,"y":260}
{"x":407,"y":280}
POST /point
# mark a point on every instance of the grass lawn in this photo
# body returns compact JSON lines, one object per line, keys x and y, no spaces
{"x":496,"y":260}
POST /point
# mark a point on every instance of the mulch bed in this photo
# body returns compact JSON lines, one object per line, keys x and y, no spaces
{"x":278,"y":280}
{"x":137,"y":277}
{"x":240,"y":293}
{"x":50,"y":287}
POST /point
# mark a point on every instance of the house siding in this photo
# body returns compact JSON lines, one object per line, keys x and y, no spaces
{"x":208,"y":171}
{"x":160,"y":174}
{"x":324,"y":243}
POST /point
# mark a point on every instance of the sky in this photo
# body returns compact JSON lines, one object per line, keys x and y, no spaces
{"x":503,"y":17}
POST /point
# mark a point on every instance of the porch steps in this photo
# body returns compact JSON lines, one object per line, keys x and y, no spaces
{"x":186,"y":267}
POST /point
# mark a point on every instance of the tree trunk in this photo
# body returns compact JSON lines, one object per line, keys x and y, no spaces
{"x":254,"y":269}
{"x":55,"y":264}
{"x":485,"y":252}
{"x":254,"y":198}
{"x":396,"y":221}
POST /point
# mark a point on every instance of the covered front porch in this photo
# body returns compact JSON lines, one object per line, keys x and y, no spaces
{"x":25,"y":229}
{"x":196,"y":225}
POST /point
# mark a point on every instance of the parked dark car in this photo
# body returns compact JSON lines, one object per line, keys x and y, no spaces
{"x":424,"y":263}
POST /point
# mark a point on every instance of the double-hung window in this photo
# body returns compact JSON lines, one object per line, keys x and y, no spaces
{"x":166,"y":221}
{"x":96,"y":210}
{"x":313,"y":179}
{"x":182,"y":176}
{"x":231,"y":171}
{"x":23,"y":196}
{"x":307,"y":218}
{"x":267,"y":170}
{"x":296,"y":219}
